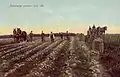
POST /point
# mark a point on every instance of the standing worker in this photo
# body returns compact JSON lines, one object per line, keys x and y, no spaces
{"x":67,"y":35}
{"x":42,"y":36}
{"x":61,"y":35}
{"x":52,"y":37}
{"x":31,"y":36}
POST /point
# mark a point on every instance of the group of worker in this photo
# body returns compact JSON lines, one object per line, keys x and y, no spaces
{"x":95,"y":32}
{"x":51,"y":36}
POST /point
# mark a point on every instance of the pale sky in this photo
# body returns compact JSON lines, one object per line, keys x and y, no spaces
{"x":59,"y":15}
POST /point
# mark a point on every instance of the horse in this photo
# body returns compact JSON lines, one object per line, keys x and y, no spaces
{"x":14,"y":34}
{"x":103,"y":29}
{"x":19,"y":35}
{"x":23,"y":36}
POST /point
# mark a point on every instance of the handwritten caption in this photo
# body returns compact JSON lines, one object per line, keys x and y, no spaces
{"x":26,"y":5}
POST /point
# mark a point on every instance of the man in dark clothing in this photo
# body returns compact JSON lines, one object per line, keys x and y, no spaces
{"x":67,"y":35}
{"x":31,"y":36}
{"x":42,"y":36}
{"x":61,"y":35}
{"x":52,"y":37}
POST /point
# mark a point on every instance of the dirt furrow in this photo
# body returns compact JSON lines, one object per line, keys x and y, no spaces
{"x":48,"y":63}
{"x":31,"y":62}
{"x":19,"y":50}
